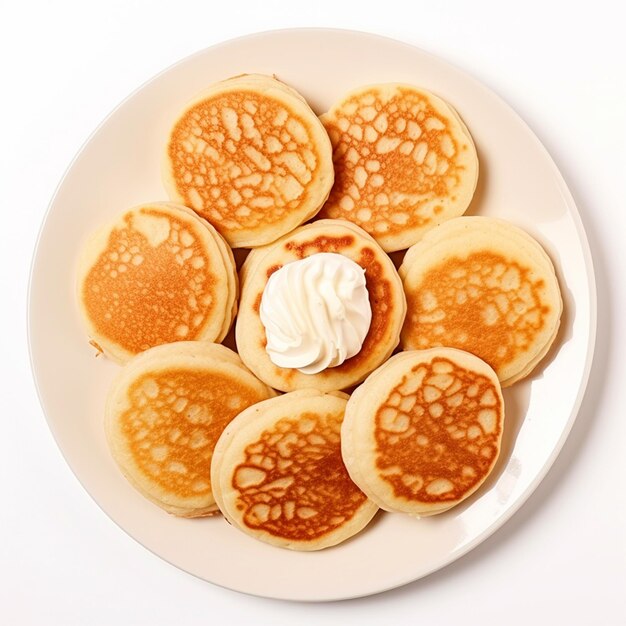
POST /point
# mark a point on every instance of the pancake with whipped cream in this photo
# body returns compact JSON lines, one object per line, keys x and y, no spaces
{"x":249,"y":155}
{"x":404,"y":162}
{"x":157,"y":274}
{"x":335,"y":289}
{"x":165,"y":411}
{"x":424,"y":431}
{"x":278,"y":475}
{"x":320,"y":308}
{"x":482,"y":285}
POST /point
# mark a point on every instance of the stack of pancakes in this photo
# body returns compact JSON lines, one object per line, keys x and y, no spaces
{"x":278,"y":473}
{"x":387,"y":302}
{"x":482,"y":285}
{"x":475,"y":305}
{"x":423,"y":432}
{"x":165,"y":412}
{"x":250,"y":156}
{"x":158,"y":273}
{"x":404,"y":162}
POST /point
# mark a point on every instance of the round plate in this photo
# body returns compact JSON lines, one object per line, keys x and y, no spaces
{"x":119,"y":167}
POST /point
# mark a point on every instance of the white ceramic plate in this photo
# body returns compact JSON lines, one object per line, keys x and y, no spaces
{"x":119,"y":167}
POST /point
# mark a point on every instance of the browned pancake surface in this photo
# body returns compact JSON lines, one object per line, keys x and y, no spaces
{"x":392,"y":158}
{"x":438,"y":432}
{"x":485,"y":304}
{"x":293,"y":483}
{"x":141,"y":295}
{"x":241,"y":159}
{"x":174,"y":418}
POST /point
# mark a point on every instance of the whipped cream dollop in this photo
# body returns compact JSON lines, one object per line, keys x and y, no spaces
{"x":316,"y":312}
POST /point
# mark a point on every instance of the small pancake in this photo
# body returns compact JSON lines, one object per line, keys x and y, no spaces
{"x":386,"y":297}
{"x":249,"y":155}
{"x":165,"y":411}
{"x":423,"y":432}
{"x":404,"y":162}
{"x":483,"y":285}
{"x":157,"y":274}
{"x":278,"y":475}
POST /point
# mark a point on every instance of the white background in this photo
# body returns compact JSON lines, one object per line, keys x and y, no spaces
{"x":64,"y":65}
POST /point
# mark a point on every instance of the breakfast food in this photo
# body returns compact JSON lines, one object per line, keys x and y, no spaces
{"x":278,"y":474}
{"x":165,"y":411}
{"x":321,"y":335}
{"x":423,"y":432}
{"x":197,"y":428}
{"x":482,"y":285}
{"x":316,"y":312}
{"x":404,"y":162}
{"x":155,"y":275}
{"x":249,"y":155}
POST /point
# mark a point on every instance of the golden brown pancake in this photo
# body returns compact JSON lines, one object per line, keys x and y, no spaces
{"x":249,"y":155}
{"x":385,"y":294}
{"x":164,"y":413}
{"x":423,"y":432}
{"x":278,"y":474}
{"x":404,"y":162}
{"x":157,"y":274}
{"x":485,"y":286}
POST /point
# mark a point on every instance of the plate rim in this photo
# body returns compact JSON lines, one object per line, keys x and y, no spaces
{"x":573,"y":211}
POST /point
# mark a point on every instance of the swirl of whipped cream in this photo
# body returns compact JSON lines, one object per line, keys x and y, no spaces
{"x":316,"y":312}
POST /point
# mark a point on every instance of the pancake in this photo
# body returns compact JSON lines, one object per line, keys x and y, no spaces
{"x":155,"y":275}
{"x":423,"y":432}
{"x":482,"y":285}
{"x":386,"y":299}
{"x":249,"y":155}
{"x":278,"y":475}
{"x":164,"y":413}
{"x":404,"y":162}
